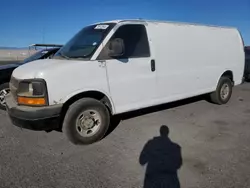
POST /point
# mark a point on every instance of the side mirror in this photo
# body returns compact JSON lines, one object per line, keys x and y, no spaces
{"x":116,"y":48}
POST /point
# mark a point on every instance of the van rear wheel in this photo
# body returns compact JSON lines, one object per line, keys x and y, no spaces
{"x":86,"y":121}
{"x":223,"y":92}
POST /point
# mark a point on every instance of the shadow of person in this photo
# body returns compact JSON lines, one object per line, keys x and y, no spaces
{"x":163,"y":159}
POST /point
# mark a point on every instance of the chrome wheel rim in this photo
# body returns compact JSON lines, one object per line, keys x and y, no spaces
{"x":225,"y":90}
{"x":3,"y":94}
{"x":88,"y":123}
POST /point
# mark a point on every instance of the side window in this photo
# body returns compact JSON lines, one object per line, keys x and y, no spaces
{"x":135,"y":42}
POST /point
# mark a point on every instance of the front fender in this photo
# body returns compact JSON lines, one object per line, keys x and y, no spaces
{"x":75,"y":93}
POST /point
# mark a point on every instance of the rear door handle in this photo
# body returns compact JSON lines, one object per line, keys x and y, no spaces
{"x":152,"y":65}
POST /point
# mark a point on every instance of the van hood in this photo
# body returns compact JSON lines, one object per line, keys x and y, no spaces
{"x":39,"y":68}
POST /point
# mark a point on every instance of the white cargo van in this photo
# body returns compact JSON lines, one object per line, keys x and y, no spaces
{"x":119,"y":66}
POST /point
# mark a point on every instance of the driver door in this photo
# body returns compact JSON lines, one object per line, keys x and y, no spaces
{"x":131,"y":77}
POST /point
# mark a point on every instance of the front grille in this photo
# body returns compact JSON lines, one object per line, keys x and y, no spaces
{"x":13,"y":87}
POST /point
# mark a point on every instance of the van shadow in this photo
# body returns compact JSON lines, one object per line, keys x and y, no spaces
{"x":163,"y":159}
{"x":116,"y":120}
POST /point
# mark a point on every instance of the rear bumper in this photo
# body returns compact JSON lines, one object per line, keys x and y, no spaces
{"x":34,"y":118}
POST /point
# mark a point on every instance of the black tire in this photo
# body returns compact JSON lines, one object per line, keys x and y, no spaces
{"x":3,"y":87}
{"x":70,"y":121}
{"x":216,"y":97}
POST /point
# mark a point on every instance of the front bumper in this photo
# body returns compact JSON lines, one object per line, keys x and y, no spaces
{"x":34,"y":118}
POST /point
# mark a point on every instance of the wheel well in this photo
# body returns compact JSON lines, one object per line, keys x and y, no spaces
{"x":90,"y":94}
{"x":228,"y":74}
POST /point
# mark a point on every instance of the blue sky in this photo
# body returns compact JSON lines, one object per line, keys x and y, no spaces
{"x":23,"y":22}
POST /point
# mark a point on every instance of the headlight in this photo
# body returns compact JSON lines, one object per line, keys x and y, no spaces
{"x":32,"y":93}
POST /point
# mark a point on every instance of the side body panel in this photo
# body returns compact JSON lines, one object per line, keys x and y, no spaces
{"x":190,"y":59}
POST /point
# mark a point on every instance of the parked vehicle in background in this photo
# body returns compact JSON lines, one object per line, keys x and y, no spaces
{"x":6,"y":70}
{"x":122,"y":66}
{"x":247,"y":63}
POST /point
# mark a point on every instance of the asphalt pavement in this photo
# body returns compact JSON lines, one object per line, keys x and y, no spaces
{"x":201,"y":145}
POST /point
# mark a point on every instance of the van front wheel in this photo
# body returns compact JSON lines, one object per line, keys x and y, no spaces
{"x":223,"y":92}
{"x":86,"y":121}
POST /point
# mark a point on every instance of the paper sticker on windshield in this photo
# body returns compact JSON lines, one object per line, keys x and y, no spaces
{"x":101,"y":26}
{"x":44,"y":52}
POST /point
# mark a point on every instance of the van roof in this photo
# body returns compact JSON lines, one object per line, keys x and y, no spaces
{"x":162,"y":21}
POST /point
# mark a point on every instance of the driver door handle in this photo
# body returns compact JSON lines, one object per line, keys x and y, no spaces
{"x":152,"y":65}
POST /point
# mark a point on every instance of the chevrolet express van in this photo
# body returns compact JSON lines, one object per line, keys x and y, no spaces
{"x":119,"y":66}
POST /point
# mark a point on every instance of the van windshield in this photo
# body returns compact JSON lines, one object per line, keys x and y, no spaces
{"x":85,"y":42}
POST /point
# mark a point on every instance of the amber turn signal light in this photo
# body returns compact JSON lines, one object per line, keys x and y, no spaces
{"x":31,"y":101}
